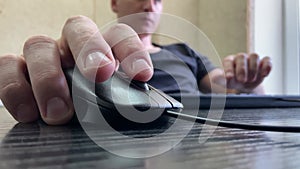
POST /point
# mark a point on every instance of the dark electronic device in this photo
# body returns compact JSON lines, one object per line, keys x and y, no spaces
{"x":121,"y":92}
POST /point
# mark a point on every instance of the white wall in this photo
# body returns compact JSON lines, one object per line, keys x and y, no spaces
{"x":225,"y":24}
{"x":291,"y":47}
{"x":268,"y":40}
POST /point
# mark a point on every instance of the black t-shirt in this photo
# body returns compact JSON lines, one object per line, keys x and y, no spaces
{"x":178,"y":68}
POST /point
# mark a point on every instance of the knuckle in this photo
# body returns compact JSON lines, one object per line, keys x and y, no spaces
{"x":132,"y":49}
{"x":230,"y":57}
{"x":43,"y":76}
{"x":227,"y":63}
{"x":80,"y":25}
{"x":8,"y":59}
{"x":241,"y":56}
{"x":241,"y":62}
{"x":46,"y":81}
{"x":9,"y":88}
{"x":79,"y":29}
{"x":76,"y":18}
{"x":119,"y":34}
{"x":120,"y":27}
{"x":11,"y":68}
{"x":38,"y":41}
{"x":254,"y":56}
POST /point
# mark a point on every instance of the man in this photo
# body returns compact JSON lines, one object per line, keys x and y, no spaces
{"x":33,"y":85}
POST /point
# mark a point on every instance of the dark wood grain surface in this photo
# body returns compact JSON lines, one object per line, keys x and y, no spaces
{"x":38,"y":145}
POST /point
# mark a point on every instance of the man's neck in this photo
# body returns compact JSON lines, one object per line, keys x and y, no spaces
{"x":147,"y":41}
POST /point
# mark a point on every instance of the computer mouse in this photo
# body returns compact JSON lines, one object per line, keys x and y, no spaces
{"x":121,"y":101}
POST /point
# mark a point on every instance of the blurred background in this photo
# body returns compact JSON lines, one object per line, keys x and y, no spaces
{"x":268,"y":27}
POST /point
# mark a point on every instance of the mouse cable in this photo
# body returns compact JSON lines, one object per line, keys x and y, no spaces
{"x":232,"y":124}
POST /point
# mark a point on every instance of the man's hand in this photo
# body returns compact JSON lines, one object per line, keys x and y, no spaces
{"x":34,"y":85}
{"x":245,"y":73}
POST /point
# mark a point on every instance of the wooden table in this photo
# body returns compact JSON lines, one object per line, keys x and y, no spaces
{"x":38,"y":145}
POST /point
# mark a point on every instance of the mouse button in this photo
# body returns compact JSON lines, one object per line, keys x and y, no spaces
{"x":78,"y":84}
{"x":132,"y":97}
{"x":166,"y":100}
{"x":118,"y":91}
{"x":161,"y":101}
{"x":103,"y":90}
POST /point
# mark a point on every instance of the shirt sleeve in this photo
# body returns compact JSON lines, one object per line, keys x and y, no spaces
{"x":203,"y":64}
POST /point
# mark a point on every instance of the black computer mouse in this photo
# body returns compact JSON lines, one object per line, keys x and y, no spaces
{"x":121,"y":101}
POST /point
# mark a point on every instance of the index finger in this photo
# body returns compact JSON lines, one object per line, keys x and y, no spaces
{"x":130,"y":51}
{"x":82,"y":41}
{"x":229,"y":66}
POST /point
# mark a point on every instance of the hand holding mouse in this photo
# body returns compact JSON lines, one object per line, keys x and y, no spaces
{"x":33,"y":85}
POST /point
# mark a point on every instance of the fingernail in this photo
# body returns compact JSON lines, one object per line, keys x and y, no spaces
{"x":56,"y":108}
{"x":140,"y":65}
{"x":97,"y":60}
